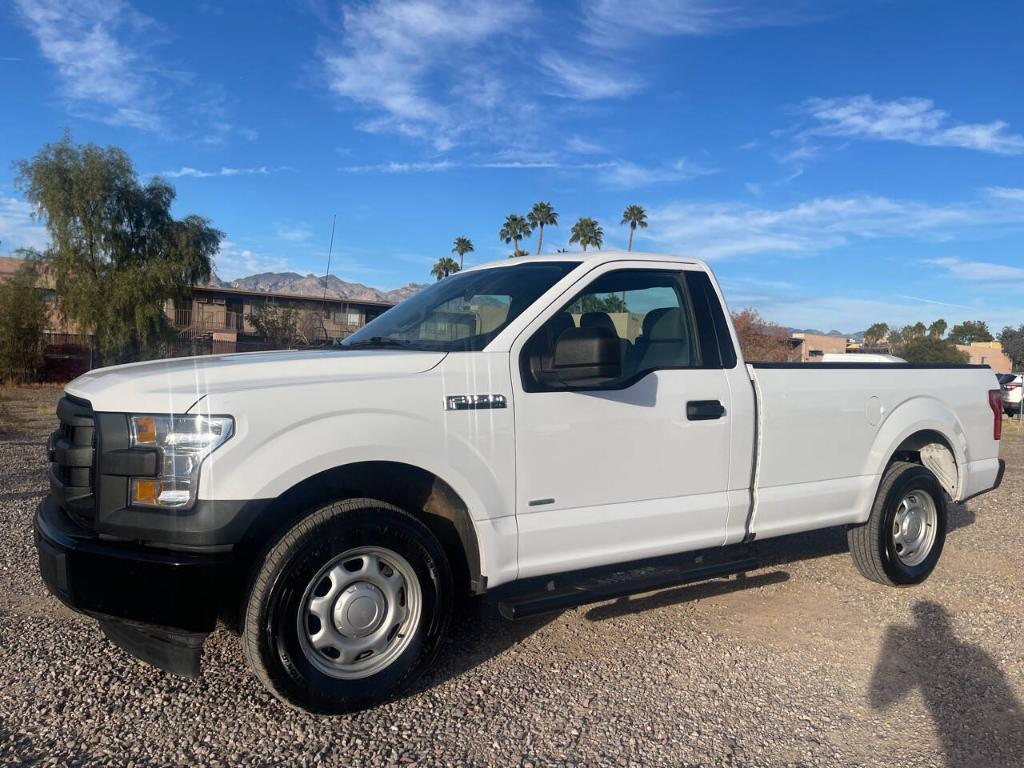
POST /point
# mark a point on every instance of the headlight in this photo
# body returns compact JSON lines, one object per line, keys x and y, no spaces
{"x":183,"y":442}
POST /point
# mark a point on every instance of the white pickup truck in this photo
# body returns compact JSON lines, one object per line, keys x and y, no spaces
{"x":524,"y":426}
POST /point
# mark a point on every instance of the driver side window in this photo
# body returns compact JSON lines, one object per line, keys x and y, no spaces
{"x":649,"y":313}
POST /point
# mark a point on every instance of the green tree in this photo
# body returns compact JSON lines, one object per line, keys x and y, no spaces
{"x":515,"y":228}
{"x":970,"y":331}
{"x":875,"y":333}
{"x":635,"y":216}
{"x":1012,"y":340}
{"x":22,"y":321}
{"x":587,"y":232}
{"x":928,"y":349}
{"x":278,"y":325}
{"x":462,"y":246}
{"x":540,"y":216}
{"x":938,"y":329}
{"x":444,"y":266}
{"x":595,"y":303}
{"x":116,"y":254}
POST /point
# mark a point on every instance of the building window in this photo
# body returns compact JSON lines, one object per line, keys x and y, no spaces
{"x":347,"y":317}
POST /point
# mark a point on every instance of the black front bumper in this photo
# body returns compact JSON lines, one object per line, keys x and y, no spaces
{"x":156,"y":604}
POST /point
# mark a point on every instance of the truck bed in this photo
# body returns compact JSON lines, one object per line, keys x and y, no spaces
{"x":825,"y":432}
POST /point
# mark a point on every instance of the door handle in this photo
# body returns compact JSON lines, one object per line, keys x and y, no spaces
{"x":704,"y":410}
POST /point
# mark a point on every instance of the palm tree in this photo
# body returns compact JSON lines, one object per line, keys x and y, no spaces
{"x":541,"y":216}
{"x":516,"y":228}
{"x":586,"y":232}
{"x":445,"y":266}
{"x":635,"y":216}
{"x":463,"y":245}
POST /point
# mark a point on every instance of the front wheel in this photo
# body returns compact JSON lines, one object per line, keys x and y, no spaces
{"x":348,"y":607}
{"x":902,"y":540}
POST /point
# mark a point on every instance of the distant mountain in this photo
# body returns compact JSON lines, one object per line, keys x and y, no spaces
{"x":859,"y":336}
{"x":312,"y":285}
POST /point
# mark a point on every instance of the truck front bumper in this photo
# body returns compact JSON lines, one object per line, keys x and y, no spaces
{"x":158,"y":605}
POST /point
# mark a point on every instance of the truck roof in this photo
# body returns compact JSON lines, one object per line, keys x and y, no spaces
{"x":589,"y":256}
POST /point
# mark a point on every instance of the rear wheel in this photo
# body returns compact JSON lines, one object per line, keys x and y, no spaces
{"x":348,"y":607}
{"x":902,"y":540}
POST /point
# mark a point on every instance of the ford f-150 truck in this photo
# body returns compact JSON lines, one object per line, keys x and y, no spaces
{"x":531,"y":426}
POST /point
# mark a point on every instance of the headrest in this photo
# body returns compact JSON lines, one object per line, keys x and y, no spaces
{"x":598,"y":320}
{"x":559,"y":323}
{"x":652,"y":317}
{"x":669,"y":325}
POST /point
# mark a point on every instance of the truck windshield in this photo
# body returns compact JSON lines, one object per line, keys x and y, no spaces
{"x":461,"y":313}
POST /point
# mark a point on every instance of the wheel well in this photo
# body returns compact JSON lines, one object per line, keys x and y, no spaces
{"x":417,"y":491}
{"x":930,"y":449}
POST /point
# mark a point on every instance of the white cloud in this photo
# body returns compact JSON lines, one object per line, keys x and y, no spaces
{"x":395,"y":166}
{"x":575,"y":79}
{"x":1007,"y":193}
{"x":18,"y":227}
{"x":609,"y":23}
{"x":911,"y":120}
{"x":981,"y":271}
{"x":784,"y":303}
{"x":399,"y":58}
{"x":233,"y":261}
{"x":195,"y":173}
{"x":581,"y":146}
{"x":293,"y":233}
{"x":629,"y":175}
{"x":614,"y":173}
{"x":719,"y":230}
{"x":98,"y":48}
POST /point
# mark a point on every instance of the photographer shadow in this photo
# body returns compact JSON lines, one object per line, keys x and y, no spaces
{"x":977,"y":717}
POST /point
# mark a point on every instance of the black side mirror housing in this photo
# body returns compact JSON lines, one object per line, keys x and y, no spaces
{"x":587,"y":356}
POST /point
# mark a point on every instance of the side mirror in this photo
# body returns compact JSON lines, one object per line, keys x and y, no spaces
{"x":587,"y":356}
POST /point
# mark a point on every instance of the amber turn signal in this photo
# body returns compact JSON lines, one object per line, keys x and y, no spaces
{"x":145,"y":491}
{"x":145,"y":430}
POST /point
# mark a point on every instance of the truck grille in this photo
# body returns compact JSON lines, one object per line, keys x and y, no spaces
{"x":72,"y":454}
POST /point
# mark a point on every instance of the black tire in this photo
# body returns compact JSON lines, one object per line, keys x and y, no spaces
{"x":270,"y":631}
{"x":872,"y":544}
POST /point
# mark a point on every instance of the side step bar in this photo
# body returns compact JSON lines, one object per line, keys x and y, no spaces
{"x":596,"y":585}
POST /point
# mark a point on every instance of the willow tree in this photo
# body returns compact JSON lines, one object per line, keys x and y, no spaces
{"x":22,"y":321}
{"x":542,"y":215}
{"x":116,"y":253}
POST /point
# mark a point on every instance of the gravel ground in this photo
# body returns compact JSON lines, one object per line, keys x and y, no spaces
{"x":801,"y":663}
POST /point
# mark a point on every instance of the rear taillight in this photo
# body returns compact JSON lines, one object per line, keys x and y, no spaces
{"x":1011,"y":387}
{"x":995,"y":402}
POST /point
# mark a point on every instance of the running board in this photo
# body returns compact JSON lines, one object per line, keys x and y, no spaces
{"x":593,"y":587}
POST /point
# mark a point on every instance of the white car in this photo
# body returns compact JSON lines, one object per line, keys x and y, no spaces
{"x":1012,"y":386}
{"x":519,"y":428}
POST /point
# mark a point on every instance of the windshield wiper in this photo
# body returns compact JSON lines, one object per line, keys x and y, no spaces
{"x":380,"y":342}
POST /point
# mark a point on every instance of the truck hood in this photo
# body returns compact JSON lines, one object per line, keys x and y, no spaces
{"x":174,"y":385}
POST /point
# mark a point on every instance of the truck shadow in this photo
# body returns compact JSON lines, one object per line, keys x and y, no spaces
{"x":832,"y":541}
{"x":632,"y":604}
{"x":479,"y":632}
{"x":977,"y":718}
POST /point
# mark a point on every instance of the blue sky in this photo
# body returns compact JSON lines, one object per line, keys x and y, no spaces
{"x":837,"y":163}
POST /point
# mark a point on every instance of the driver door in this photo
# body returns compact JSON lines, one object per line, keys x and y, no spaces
{"x":626,"y":468}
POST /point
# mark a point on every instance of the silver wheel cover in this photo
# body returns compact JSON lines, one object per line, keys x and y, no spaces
{"x":914,"y":527}
{"x":359,"y":613}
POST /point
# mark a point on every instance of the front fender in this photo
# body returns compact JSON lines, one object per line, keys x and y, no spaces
{"x":272,"y":463}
